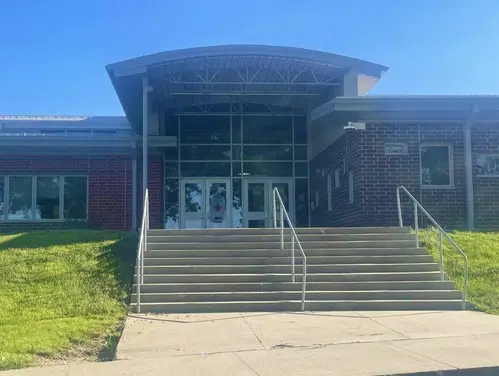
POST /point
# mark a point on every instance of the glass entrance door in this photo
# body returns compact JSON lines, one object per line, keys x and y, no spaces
{"x":204,"y":203}
{"x":257,"y":204}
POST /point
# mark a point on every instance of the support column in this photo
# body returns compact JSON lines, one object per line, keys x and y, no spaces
{"x":145,"y":109}
{"x":468,"y":172}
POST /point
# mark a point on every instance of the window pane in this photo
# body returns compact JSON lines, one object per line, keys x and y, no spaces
{"x":301,"y":153}
{"x":205,"y":169}
{"x":301,"y":169}
{"x":435,"y":169}
{"x":237,"y":211}
{"x":236,"y":169}
{"x":171,"y":154}
{"x":205,"y":129}
{"x":300,"y":129}
{"x":75,"y":197}
{"x":265,"y":153}
{"x":2,"y":195}
{"x":20,"y":197}
{"x":171,"y":204}
{"x":277,"y":169}
{"x":47,"y":197}
{"x":301,"y":202}
{"x":267,"y":129}
{"x":171,"y":169}
{"x":171,"y":124}
{"x":200,"y":153}
{"x":236,"y":129}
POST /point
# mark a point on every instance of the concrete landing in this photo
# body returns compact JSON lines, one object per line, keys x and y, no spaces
{"x":332,"y":343}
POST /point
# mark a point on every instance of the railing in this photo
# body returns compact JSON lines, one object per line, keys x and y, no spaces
{"x":442,"y":234}
{"x":284,"y":214}
{"x":142,"y":247}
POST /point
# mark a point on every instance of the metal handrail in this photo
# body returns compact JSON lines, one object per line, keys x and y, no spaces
{"x":442,"y":233}
{"x":284,"y":214}
{"x":142,"y":247}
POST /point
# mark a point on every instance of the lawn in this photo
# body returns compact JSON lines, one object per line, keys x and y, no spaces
{"x":482,"y":249}
{"x":63,"y":295}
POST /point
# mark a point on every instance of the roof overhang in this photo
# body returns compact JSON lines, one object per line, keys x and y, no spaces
{"x":427,"y":108}
{"x":275,"y":75}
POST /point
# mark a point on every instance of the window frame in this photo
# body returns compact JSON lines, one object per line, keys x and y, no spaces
{"x":450,"y":160}
{"x":34,"y":190}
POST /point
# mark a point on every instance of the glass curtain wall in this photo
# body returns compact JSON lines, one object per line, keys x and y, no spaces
{"x":235,"y":146}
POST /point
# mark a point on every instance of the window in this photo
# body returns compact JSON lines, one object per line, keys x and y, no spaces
{"x":48,"y":197}
{"x":2,"y":197}
{"x":329,"y":193}
{"x":487,"y":165}
{"x":316,"y":198}
{"x":337,"y":178}
{"x":43,"y":197}
{"x":436,"y":166}
{"x":350,"y":187}
{"x":20,"y":198}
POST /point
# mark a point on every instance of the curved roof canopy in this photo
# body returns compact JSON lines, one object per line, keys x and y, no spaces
{"x":272,"y":75}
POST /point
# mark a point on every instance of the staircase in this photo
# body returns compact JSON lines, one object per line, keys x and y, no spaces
{"x":238,"y":270}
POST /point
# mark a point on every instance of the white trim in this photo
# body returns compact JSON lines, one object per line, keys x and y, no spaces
{"x":450,"y":160}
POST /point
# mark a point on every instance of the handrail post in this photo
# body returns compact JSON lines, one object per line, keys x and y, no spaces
{"x":303,"y":283}
{"x":292,"y":257}
{"x":274,"y":207}
{"x":441,"y":235}
{"x":281,"y":219}
{"x":399,"y":207}
{"x":416,"y":224}
{"x":441,"y":253}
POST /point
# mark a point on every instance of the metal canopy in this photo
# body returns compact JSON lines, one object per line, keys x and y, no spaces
{"x":271,"y":75}
{"x":413,"y":108}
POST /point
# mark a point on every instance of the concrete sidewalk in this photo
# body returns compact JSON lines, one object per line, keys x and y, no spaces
{"x":332,"y":343}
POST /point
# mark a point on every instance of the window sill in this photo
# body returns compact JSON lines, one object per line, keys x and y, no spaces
{"x":437,"y":187}
{"x":43,"y":220}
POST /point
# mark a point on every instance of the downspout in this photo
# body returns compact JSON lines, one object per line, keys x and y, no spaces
{"x":145,"y":108}
{"x":134,"y":187}
{"x":468,"y":170}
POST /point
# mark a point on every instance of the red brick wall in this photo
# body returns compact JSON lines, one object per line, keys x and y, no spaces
{"x":155,"y":186}
{"x":343,"y":154}
{"x":109,"y":183}
{"x":377,"y":175}
{"x":485,"y":139}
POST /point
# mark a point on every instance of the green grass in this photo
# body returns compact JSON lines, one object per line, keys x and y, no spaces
{"x":61,"y":291}
{"x":482,"y":250}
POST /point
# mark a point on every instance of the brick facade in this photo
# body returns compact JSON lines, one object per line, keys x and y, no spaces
{"x":377,"y":175}
{"x":109,"y":188}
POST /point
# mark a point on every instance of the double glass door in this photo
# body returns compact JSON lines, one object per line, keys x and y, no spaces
{"x":204,"y":203}
{"x":257,"y":201}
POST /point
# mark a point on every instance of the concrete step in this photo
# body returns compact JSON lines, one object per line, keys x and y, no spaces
{"x":278,"y":252}
{"x":275,"y":238}
{"x":286,"y":277}
{"x":266,"y":231}
{"x":193,"y":245}
{"x":311,"y":260}
{"x":296,"y":295}
{"x":263,"y":269}
{"x":324,"y":305}
{"x":290,"y":286}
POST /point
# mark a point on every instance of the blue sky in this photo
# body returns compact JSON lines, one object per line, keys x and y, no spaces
{"x":53,"y":52}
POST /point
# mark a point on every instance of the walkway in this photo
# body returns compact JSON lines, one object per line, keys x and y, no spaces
{"x":273,"y":344}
